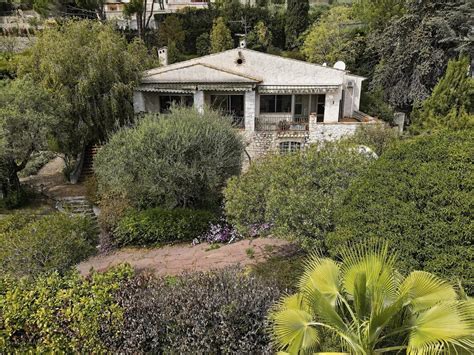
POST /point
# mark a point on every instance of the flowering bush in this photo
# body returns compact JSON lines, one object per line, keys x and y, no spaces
{"x":221,"y":232}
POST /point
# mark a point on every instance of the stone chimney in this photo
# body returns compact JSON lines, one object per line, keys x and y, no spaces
{"x":163,"y":56}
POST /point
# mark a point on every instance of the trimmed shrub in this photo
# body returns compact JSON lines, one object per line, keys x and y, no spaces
{"x":219,"y":312}
{"x":157,"y":225}
{"x":36,"y":244}
{"x":59,"y":314}
{"x":296,"y":194}
{"x":377,"y":137}
{"x":181,"y":159}
{"x":419,"y":196}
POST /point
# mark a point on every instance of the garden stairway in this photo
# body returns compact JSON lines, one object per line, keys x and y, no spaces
{"x":88,"y":164}
{"x":77,"y":205}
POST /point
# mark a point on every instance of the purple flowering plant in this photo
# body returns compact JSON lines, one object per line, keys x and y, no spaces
{"x":221,"y":232}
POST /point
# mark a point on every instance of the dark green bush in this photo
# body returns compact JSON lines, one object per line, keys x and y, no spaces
{"x":298,"y":193}
{"x":157,"y":225}
{"x":181,"y":159}
{"x":419,"y":196}
{"x":35,"y":244}
{"x":59,"y":314}
{"x":221,"y":312}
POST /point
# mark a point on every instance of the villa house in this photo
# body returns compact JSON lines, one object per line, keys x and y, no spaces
{"x":279,"y":104}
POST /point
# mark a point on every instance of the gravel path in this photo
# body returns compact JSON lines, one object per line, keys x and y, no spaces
{"x":175,"y":259}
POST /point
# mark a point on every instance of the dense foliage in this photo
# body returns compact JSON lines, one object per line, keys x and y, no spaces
{"x":451,"y":104}
{"x":332,"y":38}
{"x":156,"y":225}
{"x":365,"y":302}
{"x":221,"y":38}
{"x":27,"y":114}
{"x":414,"y":49}
{"x":35,"y":244}
{"x":377,"y":137}
{"x":181,"y":159}
{"x":73,"y":62}
{"x":219,"y":312}
{"x":418,"y":195}
{"x":296,"y":21}
{"x":56,"y":313}
{"x":297,"y":193}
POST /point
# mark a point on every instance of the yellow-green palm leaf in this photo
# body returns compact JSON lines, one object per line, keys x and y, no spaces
{"x":424,"y":290}
{"x":447,"y":325}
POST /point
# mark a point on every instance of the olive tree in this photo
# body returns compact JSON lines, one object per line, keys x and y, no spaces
{"x":90,"y":70}
{"x":181,"y":159}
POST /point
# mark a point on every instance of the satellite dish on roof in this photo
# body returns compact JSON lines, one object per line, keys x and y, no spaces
{"x":340,"y":65}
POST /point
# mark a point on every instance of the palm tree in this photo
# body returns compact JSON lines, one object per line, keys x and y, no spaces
{"x":366,"y":302}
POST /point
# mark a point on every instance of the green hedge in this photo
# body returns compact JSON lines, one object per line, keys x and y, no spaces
{"x":297,"y":194}
{"x":419,"y":196}
{"x":62,"y":314}
{"x":33,"y":244}
{"x":157,"y":225}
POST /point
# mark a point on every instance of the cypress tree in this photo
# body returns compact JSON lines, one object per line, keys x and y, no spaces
{"x":296,"y":21}
{"x":451,"y":102}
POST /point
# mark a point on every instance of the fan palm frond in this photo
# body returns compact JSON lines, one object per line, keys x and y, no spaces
{"x":447,"y":325}
{"x":423,"y":290}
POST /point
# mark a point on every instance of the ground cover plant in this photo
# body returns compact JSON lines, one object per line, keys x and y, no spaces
{"x":216,"y":312}
{"x":418,"y":196}
{"x":33,"y":244}
{"x":372,"y":308}
{"x":297,"y":194}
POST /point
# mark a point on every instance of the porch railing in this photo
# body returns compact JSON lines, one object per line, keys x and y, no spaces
{"x":281,"y":123}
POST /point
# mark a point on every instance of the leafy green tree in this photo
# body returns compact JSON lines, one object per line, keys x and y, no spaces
{"x":378,"y":13}
{"x":203,"y":44}
{"x":418,"y":196}
{"x":171,"y":29}
{"x":221,"y":38}
{"x":181,"y":159}
{"x":27,"y":115}
{"x":451,"y":104}
{"x":365,"y":301}
{"x":90,"y":70}
{"x":296,"y":21}
{"x":414,"y":49}
{"x":332,"y":38}
{"x":260,"y":38}
{"x":298,"y":194}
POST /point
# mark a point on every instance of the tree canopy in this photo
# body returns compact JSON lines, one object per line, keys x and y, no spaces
{"x":90,"y":71}
{"x":221,"y":38}
{"x":296,"y":21}
{"x":332,"y":38}
{"x":451,"y":104}
{"x":414,"y":49}
{"x":27,"y":118}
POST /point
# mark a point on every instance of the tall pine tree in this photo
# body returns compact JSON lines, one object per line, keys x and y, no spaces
{"x":296,"y":21}
{"x":452,"y":102}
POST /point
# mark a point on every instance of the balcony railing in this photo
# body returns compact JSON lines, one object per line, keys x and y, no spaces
{"x":281,"y":123}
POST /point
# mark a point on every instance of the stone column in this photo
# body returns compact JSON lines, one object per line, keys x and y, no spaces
{"x":138,"y":102}
{"x":249,"y":109}
{"x":199,"y":101}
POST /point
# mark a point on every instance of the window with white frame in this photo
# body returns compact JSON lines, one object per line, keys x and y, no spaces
{"x":289,"y":147}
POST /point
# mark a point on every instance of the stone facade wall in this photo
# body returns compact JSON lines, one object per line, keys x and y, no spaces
{"x":331,"y":131}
